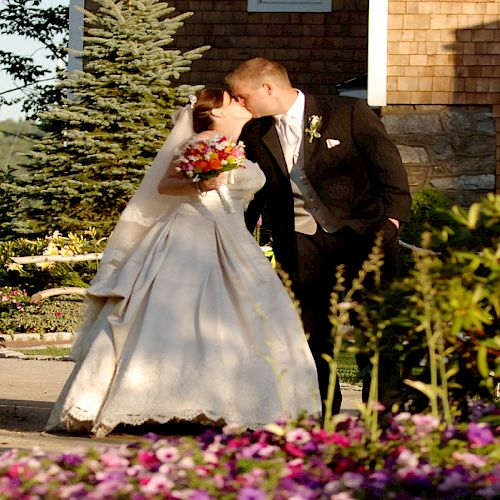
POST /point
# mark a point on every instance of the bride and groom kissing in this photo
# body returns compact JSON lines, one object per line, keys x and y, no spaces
{"x":187,"y":320}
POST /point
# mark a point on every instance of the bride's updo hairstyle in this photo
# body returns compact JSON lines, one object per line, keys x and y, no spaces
{"x":206,"y":100}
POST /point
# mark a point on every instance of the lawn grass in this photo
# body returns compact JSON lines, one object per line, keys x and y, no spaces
{"x":53,"y":351}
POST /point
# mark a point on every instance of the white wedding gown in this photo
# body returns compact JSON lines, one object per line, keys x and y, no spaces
{"x":195,"y":325}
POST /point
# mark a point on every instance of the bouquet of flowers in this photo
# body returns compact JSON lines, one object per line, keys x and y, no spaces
{"x":206,"y":158}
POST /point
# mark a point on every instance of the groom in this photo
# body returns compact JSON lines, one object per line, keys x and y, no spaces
{"x":334,"y":179}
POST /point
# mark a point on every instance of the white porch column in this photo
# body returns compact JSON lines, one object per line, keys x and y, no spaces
{"x":75,"y":35}
{"x":378,"y":12}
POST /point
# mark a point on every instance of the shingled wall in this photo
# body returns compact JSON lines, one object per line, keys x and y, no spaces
{"x":320,"y":50}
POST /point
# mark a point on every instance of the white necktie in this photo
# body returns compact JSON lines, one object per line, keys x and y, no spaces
{"x":291,"y":135}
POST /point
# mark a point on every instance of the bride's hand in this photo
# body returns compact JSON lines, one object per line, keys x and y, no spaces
{"x":214,"y":182}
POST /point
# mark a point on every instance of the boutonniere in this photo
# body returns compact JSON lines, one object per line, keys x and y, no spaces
{"x":313,"y":125}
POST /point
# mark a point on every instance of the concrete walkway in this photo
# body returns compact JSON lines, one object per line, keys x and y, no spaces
{"x":28,"y":390}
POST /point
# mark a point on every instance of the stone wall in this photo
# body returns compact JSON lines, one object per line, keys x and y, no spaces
{"x":451,"y":148}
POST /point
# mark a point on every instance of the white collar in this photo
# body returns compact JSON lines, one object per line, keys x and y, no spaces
{"x":296,"y":111}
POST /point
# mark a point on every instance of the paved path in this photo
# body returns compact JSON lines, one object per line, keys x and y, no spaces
{"x":28,"y":389}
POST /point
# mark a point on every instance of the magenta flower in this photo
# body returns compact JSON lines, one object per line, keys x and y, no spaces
{"x":147,"y":459}
{"x":479,"y":435}
{"x":339,"y":439}
{"x":293,"y":450}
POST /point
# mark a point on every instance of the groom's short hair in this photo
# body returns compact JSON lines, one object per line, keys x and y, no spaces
{"x":259,"y":70}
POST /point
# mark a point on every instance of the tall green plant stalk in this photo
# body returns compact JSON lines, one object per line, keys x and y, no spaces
{"x":444,"y":375}
{"x":371,"y":417}
{"x":432,"y":324}
{"x":340,"y":319}
{"x":372,"y":329}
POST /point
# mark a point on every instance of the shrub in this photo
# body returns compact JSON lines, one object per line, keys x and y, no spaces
{"x":36,"y":277}
{"x":52,"y":315}
{"x":440,"y":324}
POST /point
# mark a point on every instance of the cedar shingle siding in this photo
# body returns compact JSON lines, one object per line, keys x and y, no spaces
{"x":320,"y":50}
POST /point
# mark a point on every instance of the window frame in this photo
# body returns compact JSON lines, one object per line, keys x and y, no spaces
{"x":289,"y":5}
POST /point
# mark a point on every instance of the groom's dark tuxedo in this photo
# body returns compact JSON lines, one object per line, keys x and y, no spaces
{"x":360,"y":179}
{"x":355,"y":171}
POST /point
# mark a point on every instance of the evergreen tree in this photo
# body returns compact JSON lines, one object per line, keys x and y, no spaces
{"x":118,"y":113}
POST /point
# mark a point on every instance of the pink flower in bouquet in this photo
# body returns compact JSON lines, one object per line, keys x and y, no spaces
{"x":205,"y":158}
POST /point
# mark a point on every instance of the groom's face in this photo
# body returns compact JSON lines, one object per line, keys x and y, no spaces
{"x":256,"y":98}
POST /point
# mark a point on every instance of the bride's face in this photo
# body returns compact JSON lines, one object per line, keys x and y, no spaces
{"x":234,"y":110}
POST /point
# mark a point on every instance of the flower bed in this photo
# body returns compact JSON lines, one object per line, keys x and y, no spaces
{"x":415,"y":457}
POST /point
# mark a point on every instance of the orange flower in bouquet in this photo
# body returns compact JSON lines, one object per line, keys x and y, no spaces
{"x":203,"y":159}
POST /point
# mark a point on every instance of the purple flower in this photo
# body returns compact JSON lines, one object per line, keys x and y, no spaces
{"x":453,"y":482}
{"x":378,"y":480}
{"x":249,"y":493}
{"x":151,"y":436}
{"x":71,"y":460}
{"x":479,"y":435}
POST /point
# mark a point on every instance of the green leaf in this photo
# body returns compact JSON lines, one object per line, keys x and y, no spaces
{"x":482,"y":361}
{"x":420,"y":386}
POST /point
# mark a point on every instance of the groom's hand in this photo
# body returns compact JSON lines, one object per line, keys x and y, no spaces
{"x":394,"y":221}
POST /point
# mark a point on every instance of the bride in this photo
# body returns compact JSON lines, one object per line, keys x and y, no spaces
{"x":186,"y":319}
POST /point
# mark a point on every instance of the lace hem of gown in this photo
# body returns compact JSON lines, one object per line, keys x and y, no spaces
{"x":77,"y":420}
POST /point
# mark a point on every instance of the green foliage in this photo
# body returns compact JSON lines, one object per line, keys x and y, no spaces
{"x":103,"y":138}
{"x":430,"y":210}
{"x":444,"y":317}
{"x":36,"y":277}
{"x":48,"y":28}
{"x":347,"y":367}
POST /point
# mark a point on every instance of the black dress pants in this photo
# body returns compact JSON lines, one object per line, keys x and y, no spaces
{"x":318,"y":258}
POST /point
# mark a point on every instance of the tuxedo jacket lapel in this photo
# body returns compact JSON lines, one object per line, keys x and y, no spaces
{"x":313,"y":108}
